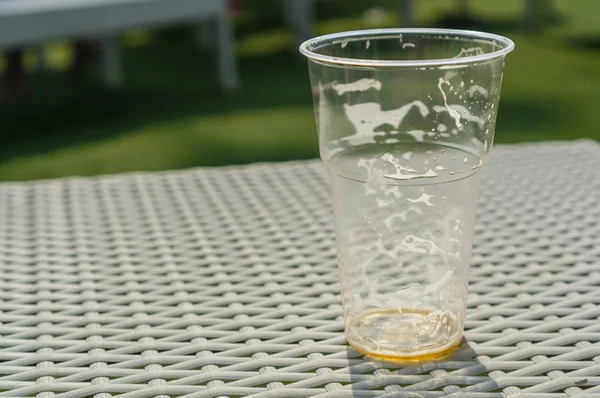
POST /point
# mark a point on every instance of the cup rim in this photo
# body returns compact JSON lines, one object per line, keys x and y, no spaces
{"x":307,"y":48}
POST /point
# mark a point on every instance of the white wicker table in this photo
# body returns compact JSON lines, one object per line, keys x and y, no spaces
{"x":223,"y":283}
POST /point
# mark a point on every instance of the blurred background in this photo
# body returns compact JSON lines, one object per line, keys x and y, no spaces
{"x":151,"y":98}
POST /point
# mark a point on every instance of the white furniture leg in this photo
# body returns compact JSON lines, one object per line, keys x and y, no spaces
{"x":299,"y":14}
{"x":463,"y":7}
{"x":225,"y":52}
{"x":111,"y":68}
{"x":205,"y":35}
{"x":407,"y":13}
{"x":40,"y":56}
{"x":535,"y":9}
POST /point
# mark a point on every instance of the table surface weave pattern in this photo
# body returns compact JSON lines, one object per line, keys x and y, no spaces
{"x":223,"y":283}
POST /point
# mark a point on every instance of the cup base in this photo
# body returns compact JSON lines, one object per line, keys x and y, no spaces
{"x":429,"y":356}
{"x":410,"y":334}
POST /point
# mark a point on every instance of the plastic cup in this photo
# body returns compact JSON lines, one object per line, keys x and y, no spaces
{"x":405,"y":119}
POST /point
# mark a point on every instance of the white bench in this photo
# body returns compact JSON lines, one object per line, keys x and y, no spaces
{"x":299,"y":14}
{"x":31,"y":22}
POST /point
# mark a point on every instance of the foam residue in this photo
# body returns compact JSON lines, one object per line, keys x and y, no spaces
{"x":366,"y":117}
{"x":395,"y":191}
{"x":403,"y":216}
{"x":469,"y":52}
{"x":449,"y":75}
{"x":360,"y":85}
{"x":478,"y":165}
{"x":457,"y":112}
{"x":402,"y":172}
{"x":417,"y":134}
{"x":439,"y":285}
{"x":455,"y":115}
{"x":367,"y":164}
{"x":388,"y":157}
{"x":457,"y":226}
{"x":383,"y":203}
{"x":452,"y":66}
{"x":424,"y":198}
{"x":477,"y":89}
{"x":415,"y":244}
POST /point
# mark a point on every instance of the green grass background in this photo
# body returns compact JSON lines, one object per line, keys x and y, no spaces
{"x":171,"y":114}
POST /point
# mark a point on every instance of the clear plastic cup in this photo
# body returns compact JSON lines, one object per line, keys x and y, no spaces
{"x":405,"y":119}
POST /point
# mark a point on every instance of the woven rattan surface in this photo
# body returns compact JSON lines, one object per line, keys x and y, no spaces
{"x":223,"y":283}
